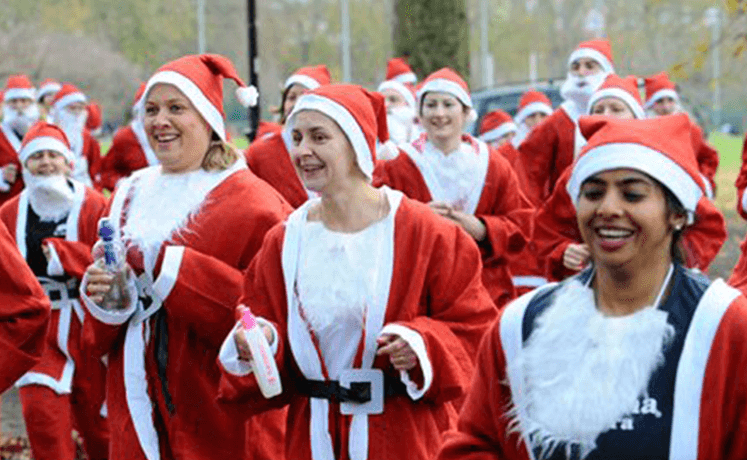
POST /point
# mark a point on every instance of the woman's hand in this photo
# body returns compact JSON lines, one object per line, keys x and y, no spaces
{"x":576,"y":256}
{"x":401,"y":355}
{"x":99,"y":283}
{"x":10,"y":173}
{"x":441,"y":208}
{"x":242,"y":345}
{"x":470,"y":224}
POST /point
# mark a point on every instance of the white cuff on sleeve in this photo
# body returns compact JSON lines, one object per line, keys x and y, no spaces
{"x":4,"y":186}
{"x":229,"y":354}
{"x":416,"y":342}
{"x":54,"y":264}
{"x":111,"y":317}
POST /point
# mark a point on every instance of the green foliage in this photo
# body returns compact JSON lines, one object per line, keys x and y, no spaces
{"x":434,"y":33}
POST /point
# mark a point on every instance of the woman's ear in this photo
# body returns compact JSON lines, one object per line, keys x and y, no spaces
{"x":677,"y":221}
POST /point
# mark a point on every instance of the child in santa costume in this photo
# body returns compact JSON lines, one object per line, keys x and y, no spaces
{"x":69,"y":113}
{"x":462,"y":179}
{"x":636,"y":357}
{"x":53,"y":221}
{"x":556,"y":233}
{"x":190,"y":226}
{"x":552,"y":146}
{"x":662,"y":99}
{"x":362,"y":285}
{"x":268,"y":156}
{"x":533,"y":108}
{"x":20,"y":112}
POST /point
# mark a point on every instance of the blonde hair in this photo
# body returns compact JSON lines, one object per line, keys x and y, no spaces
{"x":220,"y":155}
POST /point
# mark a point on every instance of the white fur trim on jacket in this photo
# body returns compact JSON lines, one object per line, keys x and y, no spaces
{"x":416,"y":342}
{"x":172,"y":261}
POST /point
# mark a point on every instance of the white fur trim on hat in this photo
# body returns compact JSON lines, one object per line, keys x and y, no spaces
{"x":408,"y":77}
{"x":19,"y":93}
{"x":636,"y":156}
{"x":591,"y":53}
{"x":401,"y":89}
{"x":303,"y":80}
{"x":345,"y":120}
{"x":499,"y":132}
{"x":442,"y":85}
{"x":45,"y":143}
{"x":208,"y":111}
{"x":530,"y":109}
{"x":621,"y":94}
{"x":71,"y":98}
{"x":662,"y":93}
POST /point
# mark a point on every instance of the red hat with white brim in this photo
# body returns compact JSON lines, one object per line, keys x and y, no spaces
{"x":625,"y":89}
{"x":19,"y":87}
{"x":45,"y":136}
{"x":495,"y":125}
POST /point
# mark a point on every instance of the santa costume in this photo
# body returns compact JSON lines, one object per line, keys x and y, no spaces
{"x":330,"y":295}
{"x":188,"y":235}
{"x":474,"y":179}
{"x":555,"y":225}
{"x":66,"y":388}
{"x":495,"y":125}
{"x":399,"y":70}
{"x":86,"y":149}
{"x":531,"y":102}
{"x":660,"y":86}
{"x":558,"y":379}
{"x":129,"y":151}
{"x":401,"y":120}
{"x":269,"y":158}
{"x":552,"y":146}
{"x":12,"y":129}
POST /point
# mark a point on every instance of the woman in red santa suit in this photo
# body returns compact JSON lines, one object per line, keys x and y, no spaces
{"x":268,"y":157}
{"x":190,"y":226}
{"x":54,"y":223}
{"x":533,"y":108}
{"x":462,"y":179}
{"x":556,"y":235}
{"x":373,"y":303}
{"x":636,"y":357}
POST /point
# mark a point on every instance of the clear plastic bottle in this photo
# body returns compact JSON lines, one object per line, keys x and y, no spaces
{"x":111,"y":257}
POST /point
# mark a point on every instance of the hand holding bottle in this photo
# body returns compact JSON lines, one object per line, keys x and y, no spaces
{"x":109,"y":275}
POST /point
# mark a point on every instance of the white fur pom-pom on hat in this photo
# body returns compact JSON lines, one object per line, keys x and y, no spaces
{"x":247,"y":95}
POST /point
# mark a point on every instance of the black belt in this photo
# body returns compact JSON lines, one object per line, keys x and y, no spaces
{"x":359,"y":392}
{"x":56,"y":294}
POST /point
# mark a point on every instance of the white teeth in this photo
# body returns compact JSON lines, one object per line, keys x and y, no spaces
{"x":613,"y":233}
{"x":165,"y":137}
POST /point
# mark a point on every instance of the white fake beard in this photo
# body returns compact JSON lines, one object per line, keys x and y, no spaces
{"x":20,"y":121}
{"x":584,"y":371}
{"x":163,"y":204}
{"x":51,"y":197}
{"x":400,"y":121}
{"x":580,"y":89}
{"x":72,"y":125}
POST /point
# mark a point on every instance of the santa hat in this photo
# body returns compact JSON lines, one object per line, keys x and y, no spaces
{"x":19,"y":87}
{"x":658,"y":87}
{"x":660,"y":147}
{"x":495,"y":125}
{"x":359,"y":113}
{"x":599,"y":50}
{"x":48,"y":86}
{"x":399,"y":70}
{"x":94,"y":120}
{"x":530,"y":103}
{"x":625,"y":89}
{"x":138,"y":94}
{"x":45,"y":136}
{"x":309,"y":77}
{"x":447,"y":81}
{"x":200,"y":78}
{"x":404,"y":89}
{"x":68,"y":94}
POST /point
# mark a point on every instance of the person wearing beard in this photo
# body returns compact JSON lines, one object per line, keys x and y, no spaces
{"x":190,"y":226}
{"x":268,"y":156}
{"x":662,"y":99}
{"x":401,"y":115}
{"x":534,"y":107}
{"x":69,"y":113}
{"x":19,"y":113}
{"x":44,"y":96}
{"x":550,"y":148}
{"x":53,"y":222}
{"x":636,"y":357}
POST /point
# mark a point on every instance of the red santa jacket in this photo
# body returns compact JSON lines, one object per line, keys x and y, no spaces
{"x":73,"y":255}
{"x":163,"y":377}
{"x":741,"y":182}
{"x":709,"y":414}
{"x":10,"y":145}
{"x":502,"y":207}
{"x":556,"y":227}
{"x":24,"y":314}
{"x":92,"y":153}
{"x":435,"y":290}
{"x":269,"y":159}
{"x":707,"y":158}
{"x":125,"y":156}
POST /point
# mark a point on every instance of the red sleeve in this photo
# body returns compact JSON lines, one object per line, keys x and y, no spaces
{"x":537,"y":157}
{"x":483,"y":428}
{"x":741,"y":182}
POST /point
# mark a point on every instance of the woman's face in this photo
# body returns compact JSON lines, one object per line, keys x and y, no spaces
{"x":612,"y":107}
{"x":443,"y":116}
{"x":665,"y":106}
{"x":47,"y":163}
{"x":534,"y":119}
{"x":291,"y":96}
{"x":321,"y":153}
{"x":176,"y":131}
{"x":623,"y":217}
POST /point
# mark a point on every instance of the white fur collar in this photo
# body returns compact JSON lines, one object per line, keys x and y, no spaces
{"x":584,"y":371}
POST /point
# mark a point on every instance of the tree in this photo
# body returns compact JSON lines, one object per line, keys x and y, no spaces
{"x":433,"y":33}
